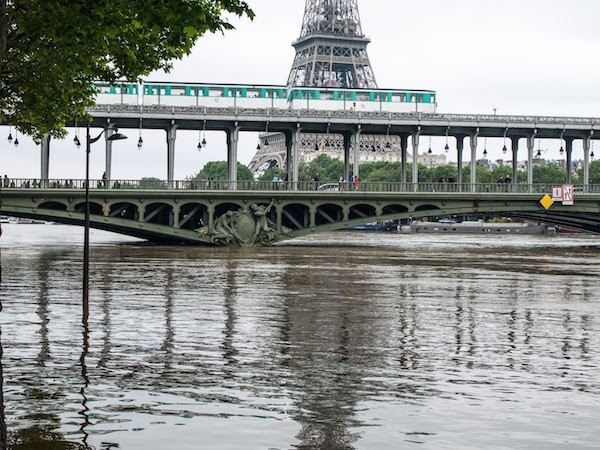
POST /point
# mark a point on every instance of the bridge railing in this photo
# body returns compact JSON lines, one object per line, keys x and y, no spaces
{"x":301,"y":186}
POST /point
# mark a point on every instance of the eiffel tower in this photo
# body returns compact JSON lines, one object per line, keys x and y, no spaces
{"x":330,"y":52}
{"x":332,"y":49}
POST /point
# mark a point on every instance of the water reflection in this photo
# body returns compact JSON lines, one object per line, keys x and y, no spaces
{"x":3,"y":436}
{"x":298,"y":347}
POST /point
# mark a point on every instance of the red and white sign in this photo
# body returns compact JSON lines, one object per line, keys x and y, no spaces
{"x":557,"y":193}
{"x":568,"y":194}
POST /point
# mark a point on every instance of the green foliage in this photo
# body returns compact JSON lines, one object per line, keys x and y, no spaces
{"x":52,"y":51}
{"x":268,"y":175}
{"x":548,"y":174}
{"x":152,"y":183}
{"x":594,"y":174}
{"x":330,"y":169}
{"x":217,"y":170}
{"x":380,"y":172}
{"x":323,"y":168}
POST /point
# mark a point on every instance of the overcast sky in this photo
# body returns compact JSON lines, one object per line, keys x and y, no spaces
{"x":536,"y":57}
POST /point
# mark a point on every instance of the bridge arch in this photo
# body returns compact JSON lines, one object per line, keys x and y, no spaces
{"x":362,"y":211}
{"x":329,"y":213}
{"x":394,"y":209}
{"x":54,"y":206}
{"x":95,"y":208}
{"x":193,"y":216}
{"x":124,"y":210}
{"x":296,"y":216}
{"x":159,"y":213}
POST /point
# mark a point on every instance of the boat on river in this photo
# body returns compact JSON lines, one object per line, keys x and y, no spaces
{"x":478,"y":227}
{"x":376,"y":226}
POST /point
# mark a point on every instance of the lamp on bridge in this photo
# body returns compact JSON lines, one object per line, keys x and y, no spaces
{"x":86,"y":226}
{"x":140,"y":140}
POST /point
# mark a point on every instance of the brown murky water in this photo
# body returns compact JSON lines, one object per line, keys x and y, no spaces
{"x":340,"y":341}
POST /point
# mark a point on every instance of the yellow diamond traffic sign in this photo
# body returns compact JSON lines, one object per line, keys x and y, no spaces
{"x":547,"y":201}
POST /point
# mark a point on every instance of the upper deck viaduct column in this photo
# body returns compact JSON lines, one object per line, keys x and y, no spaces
{"x":356,"y":142}
{"x":460,"y":146}
{"x":296,"y":156}
{"x":171,"y":137}
{"x":569,"y":160}
{"x":347,"y":144}
{"x":403,"y":157}
{"x":514,"y":143}
{"x":110,"y":130}
{"x":586,"y":161}
{"x":473,"y":140}
{"x":233,"y":135}
{"x":289,"y":154}
{"x":415,"y":162}
{"x":45,"y":161}
{"x":530,"y":148}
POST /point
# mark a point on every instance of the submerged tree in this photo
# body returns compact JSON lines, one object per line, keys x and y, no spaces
{"x":52,"y":51}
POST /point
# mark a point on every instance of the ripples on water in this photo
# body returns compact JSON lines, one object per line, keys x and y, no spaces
{"x":338,"y":341}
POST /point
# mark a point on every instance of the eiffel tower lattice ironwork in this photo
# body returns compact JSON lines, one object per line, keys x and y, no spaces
{"x":332,"y":49}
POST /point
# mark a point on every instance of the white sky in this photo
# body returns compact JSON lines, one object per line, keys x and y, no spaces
{"x":535,"y":57}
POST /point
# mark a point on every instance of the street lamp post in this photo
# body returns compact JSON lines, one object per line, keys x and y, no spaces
{"x":86,"y":225}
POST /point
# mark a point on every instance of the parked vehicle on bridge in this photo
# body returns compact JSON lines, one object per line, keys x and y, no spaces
{"x":266,"y":96}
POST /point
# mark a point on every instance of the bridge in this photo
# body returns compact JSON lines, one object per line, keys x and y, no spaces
{"x":261,"y":214}
{"x":408,"y":126}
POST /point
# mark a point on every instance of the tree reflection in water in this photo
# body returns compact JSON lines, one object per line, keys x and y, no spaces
{"x":2,"y":419}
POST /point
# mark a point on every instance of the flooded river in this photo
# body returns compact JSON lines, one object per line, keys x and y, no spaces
{"x":338,"y":341}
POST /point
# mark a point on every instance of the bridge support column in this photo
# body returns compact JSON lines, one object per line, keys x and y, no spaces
{"x":295,"y":157}
{"x":176,"y":211}
{"x":171,"y":136}
{"x":569,"y":160}
{"x":211,"y":218}
{"x":473,"y":140}
{"x":108,"y":154}
{"x":403,"y":157}
{"x":45,"y":161}
{"x":460,"y":146}
{"x":233,"y":135}
{"x":141,"y":213}
{"x":514,"y":142}
{"x":530,"y":148}
{"x":415,"y":159}
{"x":313,"y":217}
{"x":356,"y":159}
{"x":347,"y":144}
{"x":279,"y":215}
{"x":586,"y":162}
{"x":289,"y":145}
